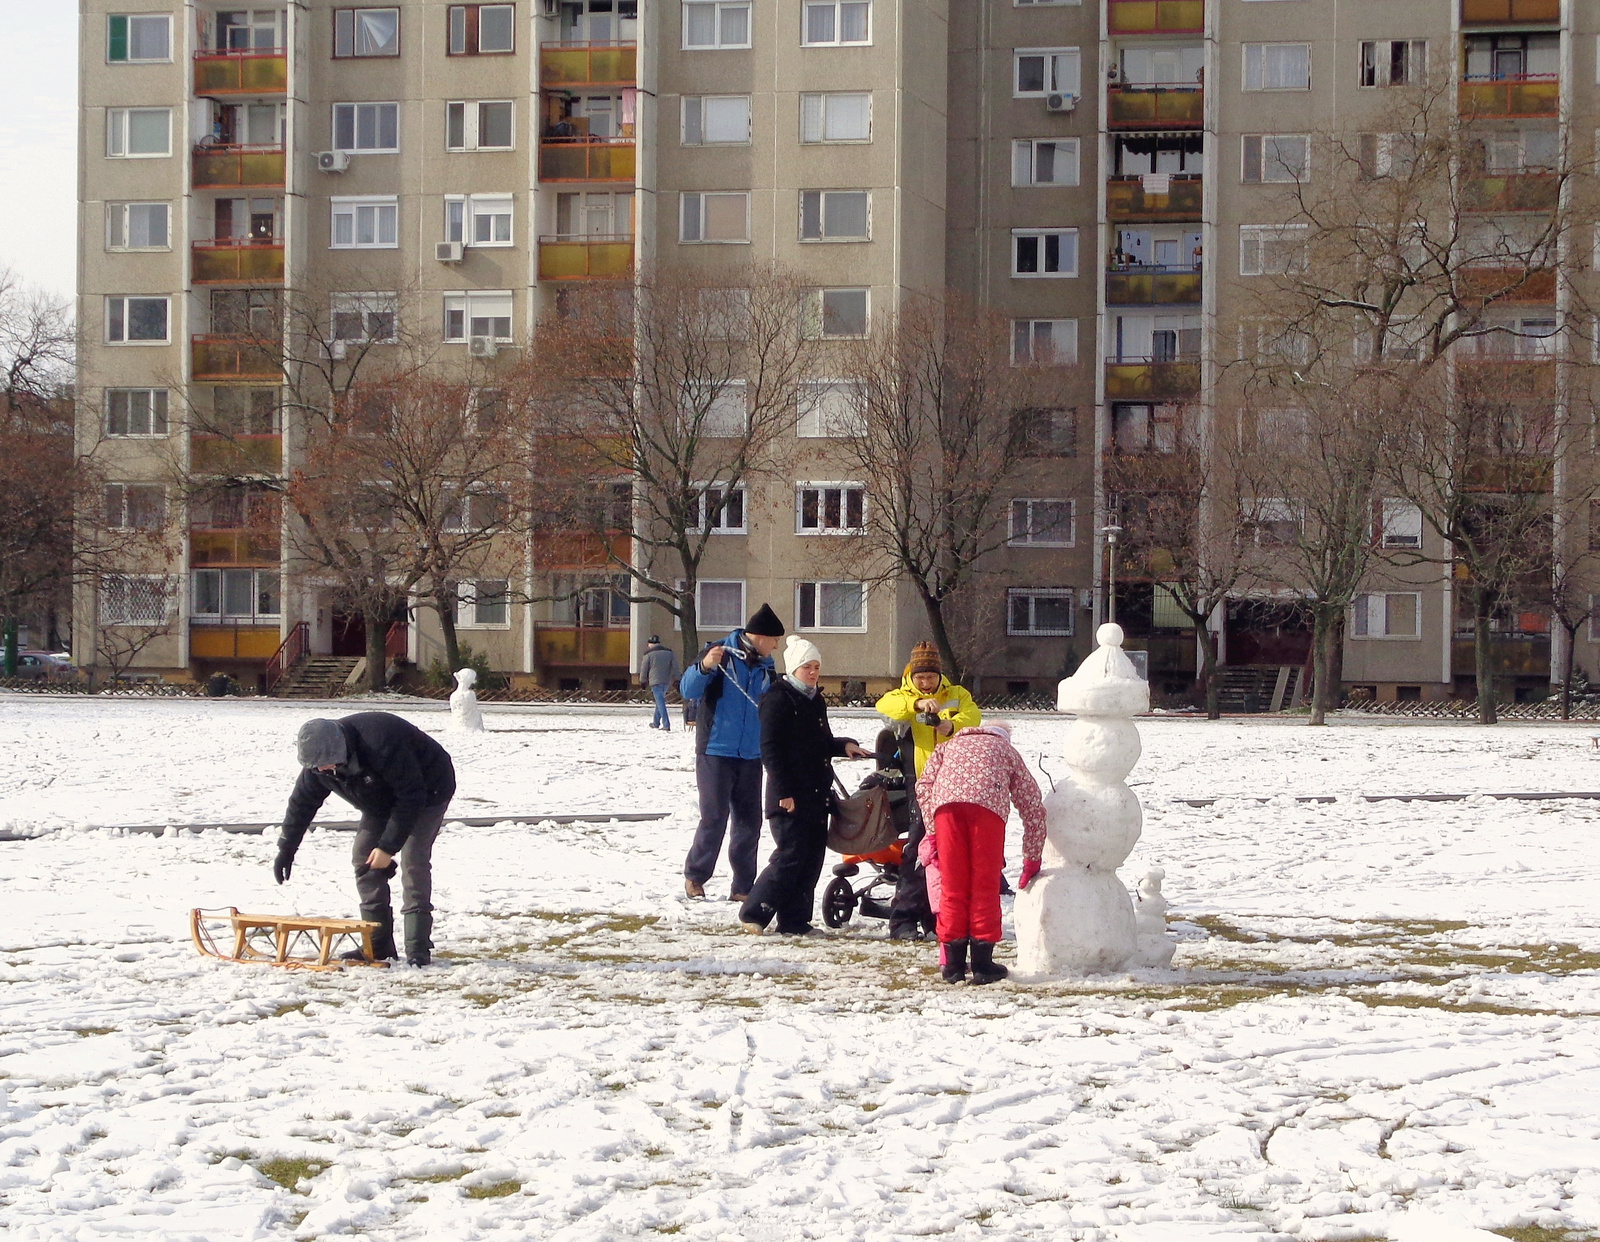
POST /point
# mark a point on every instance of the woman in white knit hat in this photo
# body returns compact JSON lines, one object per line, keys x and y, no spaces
{"x":797,"y":749}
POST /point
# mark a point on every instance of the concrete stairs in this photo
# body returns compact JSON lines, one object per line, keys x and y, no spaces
{"x":1258,"y":689}
{"x":320,"y":677}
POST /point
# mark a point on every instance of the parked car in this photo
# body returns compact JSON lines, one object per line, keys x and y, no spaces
{"x":47,"y":665}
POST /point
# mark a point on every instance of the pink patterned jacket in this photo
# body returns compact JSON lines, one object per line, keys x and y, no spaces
{"x":982,"y":766}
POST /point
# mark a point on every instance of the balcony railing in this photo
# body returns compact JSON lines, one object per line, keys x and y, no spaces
{"x":1155,"y":107}
{"x":1508,"y":285}
{"x":1512,"y":192}
{"x":242,"y":167}
{"x":1522,"y":475}
{"x":225,"y":359}
{"x":1134,"y":200}
{"x":1148,"y":285}
{"x":1514,"y":377}
{"x":1156,"y":17}
{"x":241,"y":73}
{"x":573,"y":645}
{"x":588,"y":64}
{"x":586,"y":159}
{"x":1529,"y":95}
{"x":236,"y":455}
{"x":233,"y":642}
{"x":237,"y":262}
{"x":585,"y":258}
{"x":232,"y":547}
{"x":1151,"y":379}
{"x":1495,"y":12}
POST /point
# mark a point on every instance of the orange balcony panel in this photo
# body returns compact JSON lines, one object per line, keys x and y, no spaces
{"x":1151,"y":381}
{"x":1515,"y":192}
{"x":580,"y":646}
{"x":235,"y":455}
{"x":223,"y":168}
{"x":585,"y":258}
{"x":241,"y":73}
{"x":1516,"y":475}
{"x":586,"y":159}
{"x":1128,"y":202}
{"x":232,"y":547}
{"x":1515,"y":379}
{"x":233,"y":642}
{"x":588,"y":64}
{"x":1155,"y":107}
{"x":237,"y":263}
{"x":579,"y":550}
{"x":1156,"y":17}
{"x":1511,"y":285}
{"x":234,"y":359}
{"x":1495,"y":12}
{"x":1511,"y":97}
{"x":1132,"y":287}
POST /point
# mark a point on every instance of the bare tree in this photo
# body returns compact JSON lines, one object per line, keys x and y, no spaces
{"x":37,"y":340}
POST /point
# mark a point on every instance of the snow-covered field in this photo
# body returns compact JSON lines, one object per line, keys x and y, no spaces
{"x":1381,"y":1022}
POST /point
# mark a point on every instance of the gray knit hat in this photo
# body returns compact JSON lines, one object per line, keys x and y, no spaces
{"x":321,"y":742}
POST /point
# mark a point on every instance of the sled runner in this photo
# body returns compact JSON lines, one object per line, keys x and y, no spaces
{"x":282,"y":939}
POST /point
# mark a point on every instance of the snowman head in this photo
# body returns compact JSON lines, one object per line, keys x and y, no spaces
{"x":466,"y":678}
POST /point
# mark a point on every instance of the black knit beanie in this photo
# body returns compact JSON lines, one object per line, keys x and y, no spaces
{"x":765,"y":622}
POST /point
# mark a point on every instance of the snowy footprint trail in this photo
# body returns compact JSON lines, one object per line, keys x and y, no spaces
{"x":1382,"y":1018}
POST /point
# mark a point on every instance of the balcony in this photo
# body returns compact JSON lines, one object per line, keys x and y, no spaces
{"x":585,"y":258}
{"x":1151,"y":379}
{"x":1511,"y":192}
{"x":241,"y":73}
{"x":1509,"y":285}
{"x":1528,"y":95}
{"x":1155,"y":107}
{"x":581,"y":646}
{"x":586,"y":159}
{"x":236,"y":455}
{"x":587,"y":64}
{"x":237,"y":262}
{"x":1518,"y":475}
{"x":1502,"y":12}
{"x":233,"y":642}
{"x":232,"y":547}
{"x":238,"y":167}
{"x":1148,"y":285}
{"x":1133,"y":17}
{"x":1136,"y":200}
{"x":225,"y":359}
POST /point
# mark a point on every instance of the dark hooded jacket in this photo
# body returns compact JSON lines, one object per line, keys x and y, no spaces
{"x":797,"y":749}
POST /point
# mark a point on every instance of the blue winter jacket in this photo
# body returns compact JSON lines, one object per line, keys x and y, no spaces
{"x":729,"y":725}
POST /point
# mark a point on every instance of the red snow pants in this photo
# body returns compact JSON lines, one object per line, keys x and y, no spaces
{"x":971,"y":844}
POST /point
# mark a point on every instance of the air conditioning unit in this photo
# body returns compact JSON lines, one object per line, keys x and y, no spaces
{"x":1060,"y":101}
{"x":483,"y":347}
{"x":448,"y":252}
{"x":337,"y":350}
{"x":333,"y":161}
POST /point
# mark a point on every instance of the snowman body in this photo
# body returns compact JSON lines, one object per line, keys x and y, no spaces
{"x":465,"y":714}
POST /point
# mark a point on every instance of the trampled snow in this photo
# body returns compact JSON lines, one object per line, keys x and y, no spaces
{"x":1380,"y":1023}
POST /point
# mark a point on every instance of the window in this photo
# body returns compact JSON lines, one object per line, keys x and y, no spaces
{"x":835,"y":314}
{"x":832,"y":22}
{"x":1044,"y":161}
{"x":243,"y":30}
{"x":482,"y":604}
{"x":1400,"y":523}
{"x":1044,"y":342}
{"x":834,"y":215}
{"x":715,"y":120}
{"x":478,"y":313}
{"x":708,"y":218}
{"x":1045,"y":432}
{"x":830,"y":409}
{"x":138,"y":133}
{"x":1520,"y":151}
{"x":830,"y":606}
{"x":718,"y":605}
{"x":1277,"y":66}
{"x":1594,"y":618}
{"x":136,"y":411}
{"x":135,"y":506}
{"x":1042,"y":523}
{"x":482,"y":29}
{"x":1044,"y":252}
{"x":136,"y":321}
{"x":365,"y":223}
{"x":366,"y":32}
{"x":716,"y":23}
{"x":138,"y":38}
{"x":1272,"y":249}
{"x":369,"y":317}
{"x":129,"y":599}
{"x":718,"y":510}
{"x":366,"y":126}
{"x":1392,"y":614}
{"x":1036,"y":3}
{"x":1039,"y":612}
{"x":723,"y":410}
{"x":245,"y":411}
{"x":477,"y":510}
{"x":236,"y":595}
{"x":1272,"y":158}
{"x":830,"y":508}
{"x":838,"y":117}
{"x":487,"y":125}
{"x":1394,"y":62}
{"x":1512,"y":56}
{"x":137,"y":226}
{"x":478,"y":219}
{"x":1273,"y":522}
{"x":1039,"y":71}
{"x":1140,"y":428}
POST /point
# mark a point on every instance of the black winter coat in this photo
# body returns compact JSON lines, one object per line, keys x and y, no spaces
{"x":796,"y":748}
{"x":394,"y":771}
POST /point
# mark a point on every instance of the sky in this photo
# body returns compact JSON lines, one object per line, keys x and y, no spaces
{"x":38,"y":142}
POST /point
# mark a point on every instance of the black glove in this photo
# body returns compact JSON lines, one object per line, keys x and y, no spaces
{"x":283,"y":864}
{"x":931,"y":719}
{"x":387,"y":873}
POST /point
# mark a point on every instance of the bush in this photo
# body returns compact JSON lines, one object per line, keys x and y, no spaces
{"x":442,"y":678}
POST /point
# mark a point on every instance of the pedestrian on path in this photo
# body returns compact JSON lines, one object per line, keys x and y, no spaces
{"x":658,"y":669}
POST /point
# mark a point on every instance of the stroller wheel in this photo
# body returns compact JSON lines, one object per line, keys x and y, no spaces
{"x":838,"y":903}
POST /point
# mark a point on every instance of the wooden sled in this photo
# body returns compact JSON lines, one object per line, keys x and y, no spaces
{"x":282,"y":939}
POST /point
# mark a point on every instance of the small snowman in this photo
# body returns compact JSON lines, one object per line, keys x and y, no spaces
{"x":465,"y":714}
{"x":1154,"y":946}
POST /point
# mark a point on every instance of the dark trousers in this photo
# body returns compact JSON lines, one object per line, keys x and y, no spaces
{"x":910,"y":906}
{"x":415,"y":859}
{"x":728,"y":787}
{"x":787,"y":887}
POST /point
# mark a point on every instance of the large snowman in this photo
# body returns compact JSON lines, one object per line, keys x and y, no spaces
{"x":1077,"y":917}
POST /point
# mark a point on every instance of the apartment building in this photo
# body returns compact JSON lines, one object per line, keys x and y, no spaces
{"x":1102,"y":173}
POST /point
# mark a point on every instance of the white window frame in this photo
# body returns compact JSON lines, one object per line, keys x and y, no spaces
{"x":462,"y":212}
{"x":472,"y":124}
{"x":816,"y":626}
{"x":129,"y":18}
{"x":1383,"y":63}
{"x":117,"y":129}
{"x":124,"y":299}
{"x":1257,"y":236}
{"x":823,"y":237}
{"x":351,"y":207}
{"x":695,"y":105}
{"x":355,"y":109}
{"x":454,"y":28}
{"x":366,"y":305}
{"x":1361,"y":627}
{"x":718,"y":7}
{"x":1258,"y":52}
{"x":1267,"y":511}
{"x":157,"y":411}
{"x":814,"y":422}
{"x":1025,"y":153}
{"x":721,"y":526}
{"x":822,"y":488}
{"x":838,"y":7}
{"x":117,"y":220}
{"x":814,"y":320}
{"x":110,"y":616}
{"x":350,"y":33}
{"x":1026,"y":538}
{"x":699,"y":604}
{"x":1261,"y":161}
{"x":467,"y":604}
{"x":727,"y":416}
{"x":691,"y":208}
{"x":1063,"y":344}
{"x":484,"y":297}
{"x":1052,"y":72}
{"x":1063,"y":273}
{"x":819,"y":113}
{"x":1393,"y":508}
{"x":1034,"y":593}
{"x":122,"y":488}
{"x":222,"y":616}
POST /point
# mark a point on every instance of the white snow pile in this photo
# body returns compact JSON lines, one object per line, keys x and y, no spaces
{"x":1381,"y":1021}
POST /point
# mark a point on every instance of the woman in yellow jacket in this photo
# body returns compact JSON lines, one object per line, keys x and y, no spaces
{"x":934,"y":707}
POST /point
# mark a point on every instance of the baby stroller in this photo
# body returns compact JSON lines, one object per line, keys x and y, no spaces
{"x":872,"y":894}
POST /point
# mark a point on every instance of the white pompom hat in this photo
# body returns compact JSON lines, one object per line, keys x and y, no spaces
{"x":798,"y":651}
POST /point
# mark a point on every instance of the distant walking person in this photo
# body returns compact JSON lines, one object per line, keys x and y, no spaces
{"x":729,"y":679}
{"x":401,"y":781}
{"x":658,"y":669}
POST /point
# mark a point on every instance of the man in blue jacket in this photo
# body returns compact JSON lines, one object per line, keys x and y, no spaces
{"x":729,"y":679}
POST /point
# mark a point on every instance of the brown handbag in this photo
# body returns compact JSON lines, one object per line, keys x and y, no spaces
{"x":861,"y":823}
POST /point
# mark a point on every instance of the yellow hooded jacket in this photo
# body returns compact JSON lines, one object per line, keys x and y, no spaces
{"x":959,"y":710}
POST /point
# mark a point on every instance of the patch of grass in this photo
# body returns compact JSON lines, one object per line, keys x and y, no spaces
{"x":94,"y":1030}
{"x":289,"y":1173}
{"x":297,"y":1007}
{"x":495,"y":1190}
{"x":482,"y":999}
{"x":435,"y":1179}
{"x":1538,"y":1233}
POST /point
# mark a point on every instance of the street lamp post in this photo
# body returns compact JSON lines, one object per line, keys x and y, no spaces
{"x":1111,"y":532}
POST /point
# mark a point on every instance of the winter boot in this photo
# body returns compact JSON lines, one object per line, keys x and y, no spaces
{"x":383,"y":949}
{"x":953,"y":961}
{"x":419,"y":937}
{"x":984,"y":968}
